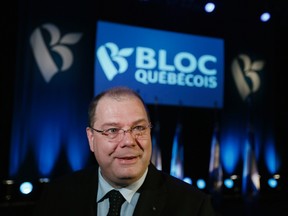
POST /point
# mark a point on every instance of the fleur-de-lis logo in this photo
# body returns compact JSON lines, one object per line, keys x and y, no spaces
{"x":109,"y":53}
{"x":42,"y":49}
{"x":246,"y":75}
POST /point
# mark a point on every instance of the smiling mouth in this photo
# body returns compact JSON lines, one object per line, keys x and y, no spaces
{"x":127,"y":160}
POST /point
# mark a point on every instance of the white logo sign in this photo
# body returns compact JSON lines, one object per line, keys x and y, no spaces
{"x":152,"y":66}
{"x":42,"y":50}
{"x":116,"y":55}
{"x":247,"y":71}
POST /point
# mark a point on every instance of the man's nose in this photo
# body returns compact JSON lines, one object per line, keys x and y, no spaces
{"x":128,"y":137}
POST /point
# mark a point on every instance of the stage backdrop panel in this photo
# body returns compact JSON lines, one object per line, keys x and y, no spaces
{"x":52,"y":90}
{"x":172,"y":68}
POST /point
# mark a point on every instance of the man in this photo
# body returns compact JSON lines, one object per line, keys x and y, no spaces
{"x":119,"y":135}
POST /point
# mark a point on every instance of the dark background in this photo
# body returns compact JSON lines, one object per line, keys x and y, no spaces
{"x":235,"y":21}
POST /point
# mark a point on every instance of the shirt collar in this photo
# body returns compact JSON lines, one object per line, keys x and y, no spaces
{"x":127,"y":192}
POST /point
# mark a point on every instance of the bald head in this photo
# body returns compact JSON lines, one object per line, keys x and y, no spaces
{"x":116,"y":93}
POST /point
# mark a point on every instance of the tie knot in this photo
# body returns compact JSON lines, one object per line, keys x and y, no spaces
{"x":116,"y":200}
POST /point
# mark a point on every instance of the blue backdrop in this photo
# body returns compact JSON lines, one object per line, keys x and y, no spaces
{"x":52,"y":91}
{"x":55,"y":82}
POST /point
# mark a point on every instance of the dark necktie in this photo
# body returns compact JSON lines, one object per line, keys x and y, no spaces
{"x":116,"y":200}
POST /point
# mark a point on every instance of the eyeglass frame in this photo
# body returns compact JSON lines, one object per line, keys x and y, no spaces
{"x":104,"y":132}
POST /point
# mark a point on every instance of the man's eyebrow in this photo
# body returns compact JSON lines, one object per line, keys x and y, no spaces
{"x":117,"y":124}
{"x":144,"y":120}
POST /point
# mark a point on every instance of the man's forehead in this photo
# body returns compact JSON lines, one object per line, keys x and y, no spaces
{"x":119,"y":98}
{"x":110,"y":109}
{"x":107,"y":102}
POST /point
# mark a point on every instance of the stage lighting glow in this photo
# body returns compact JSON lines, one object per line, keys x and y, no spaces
{"x":187,"y":180}
{"x":8,"y":182}
{"x":201,"y":183}
{"x":234,"y":177}
{"x":230,"y":148}
{"x":229,"y":183}
{"x":26,"y":188}
{"x":209,"y":7}
{"x":272,"y":182}
{"x":7,"y":188}
{"x":44,"y":180}
{"x":271,"y":157}
{"x":265,"y":17}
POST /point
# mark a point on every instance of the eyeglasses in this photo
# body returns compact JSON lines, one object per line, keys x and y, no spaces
{"x":117,"y":134}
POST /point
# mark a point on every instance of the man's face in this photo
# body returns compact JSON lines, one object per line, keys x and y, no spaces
{"x":122,"y":162}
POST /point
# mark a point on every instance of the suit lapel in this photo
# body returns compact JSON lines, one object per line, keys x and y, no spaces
{"x":153,"y":194}
{"x":90,"y":191}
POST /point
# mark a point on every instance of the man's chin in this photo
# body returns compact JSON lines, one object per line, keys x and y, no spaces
{"x":127,"y":179}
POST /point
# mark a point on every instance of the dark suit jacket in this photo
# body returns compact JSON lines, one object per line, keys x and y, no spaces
{"x":160,"y":194}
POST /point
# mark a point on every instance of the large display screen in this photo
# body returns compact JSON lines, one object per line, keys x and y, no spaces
{"x":166,"y":67}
